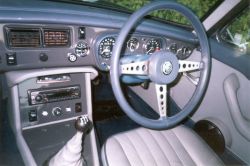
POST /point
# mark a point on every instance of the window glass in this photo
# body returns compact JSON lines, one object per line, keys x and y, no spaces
{"x":237,"y":33}
{"x":201,"y":8}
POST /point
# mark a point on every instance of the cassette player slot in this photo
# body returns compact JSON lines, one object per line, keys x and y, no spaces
{"x":53,"y":79}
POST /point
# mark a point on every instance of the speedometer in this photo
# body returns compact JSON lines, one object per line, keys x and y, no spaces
{"x":106,"y":47}
{"x":152,"y":45}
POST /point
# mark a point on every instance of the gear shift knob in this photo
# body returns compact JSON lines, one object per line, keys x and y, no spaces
{"x":71,"y":152}
{"x":83,"y":124}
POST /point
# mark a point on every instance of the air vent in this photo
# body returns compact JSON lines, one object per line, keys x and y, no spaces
{"x":23,"y":37}
{"x":56,"y":38}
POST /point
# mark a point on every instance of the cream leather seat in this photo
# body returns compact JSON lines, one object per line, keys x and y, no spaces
{"x":144,"y":147}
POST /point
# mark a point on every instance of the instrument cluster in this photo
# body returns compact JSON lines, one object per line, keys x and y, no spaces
{"x":139,"y":44}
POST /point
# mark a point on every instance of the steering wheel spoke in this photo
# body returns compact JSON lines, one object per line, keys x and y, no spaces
{"x":185,"y":66}
{"x":134,"y":68}
{"x":161,"y":92}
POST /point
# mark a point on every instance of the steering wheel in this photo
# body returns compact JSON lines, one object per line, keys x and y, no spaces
{"x":161,"y":68}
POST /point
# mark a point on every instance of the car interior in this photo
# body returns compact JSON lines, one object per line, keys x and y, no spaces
{"x":124,"y":82}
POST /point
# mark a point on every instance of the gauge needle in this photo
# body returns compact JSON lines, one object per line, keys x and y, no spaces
{"x":150,"y":50}
{"x":132,"y":47}
{"x":105,"y":50}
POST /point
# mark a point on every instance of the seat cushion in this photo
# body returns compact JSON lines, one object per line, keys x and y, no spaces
{"x":144,"y":147}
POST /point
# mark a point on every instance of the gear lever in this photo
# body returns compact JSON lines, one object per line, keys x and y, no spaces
{"x":71,"y":152}
{"x":83,"y":124}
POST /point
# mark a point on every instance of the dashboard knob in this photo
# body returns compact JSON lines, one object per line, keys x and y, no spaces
{"x":105,"y":66}
{"x":57,"y":111}
{"x":72,"y":57}
{"x":39,"y":98}
{"x":43,"y":57}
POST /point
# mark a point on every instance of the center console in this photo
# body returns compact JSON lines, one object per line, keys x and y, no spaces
{"x":44,"y":106}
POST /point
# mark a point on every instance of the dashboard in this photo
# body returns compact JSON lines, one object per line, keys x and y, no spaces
{"x":49,"y":53}
{"x":27,"y":46}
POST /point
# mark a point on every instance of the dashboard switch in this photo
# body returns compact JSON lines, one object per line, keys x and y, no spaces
{"x":78,"y":107}
{"x":68,"y":109}
{"x":32,"y":115}
{"x":81,"y":32}
{"x":11,"y":59}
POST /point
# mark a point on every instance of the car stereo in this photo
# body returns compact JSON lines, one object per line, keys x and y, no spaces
{"x":41,"y":96}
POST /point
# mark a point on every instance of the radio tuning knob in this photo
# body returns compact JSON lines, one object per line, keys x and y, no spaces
{"x":39,"y":98}
{"x":57,"y":111}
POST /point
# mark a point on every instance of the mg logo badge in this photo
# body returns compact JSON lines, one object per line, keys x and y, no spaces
{"x":167,"y":67}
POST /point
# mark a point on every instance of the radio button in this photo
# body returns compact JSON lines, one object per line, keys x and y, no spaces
{"x":57,"y":111}
{"x":45,"y":113}
{"x":68,"y":109}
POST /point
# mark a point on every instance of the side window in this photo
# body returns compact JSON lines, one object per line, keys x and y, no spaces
{"x":237,"y":33}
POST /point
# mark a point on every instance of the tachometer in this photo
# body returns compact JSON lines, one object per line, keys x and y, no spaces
{"x":106,"y":47}
{"x":152,"y":45}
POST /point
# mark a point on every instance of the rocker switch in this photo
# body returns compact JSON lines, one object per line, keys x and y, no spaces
{"x":78,"y":107}
{"x":11,"y":59}
{"x":32,"y":115}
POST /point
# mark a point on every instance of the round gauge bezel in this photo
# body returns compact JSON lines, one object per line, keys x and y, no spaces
{"x":137,"y":44}
{"x":173,"y":45}
{"x":102,"y":41}
{"x":180,"y":55}
{"x":150,"y":40}
{"x":87,"y":47}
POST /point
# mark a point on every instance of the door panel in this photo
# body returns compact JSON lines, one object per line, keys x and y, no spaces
{"x":241,"y":122}
{"x":215,"y":107}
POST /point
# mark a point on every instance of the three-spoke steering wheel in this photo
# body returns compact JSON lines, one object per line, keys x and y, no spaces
{"x":161,"y":67}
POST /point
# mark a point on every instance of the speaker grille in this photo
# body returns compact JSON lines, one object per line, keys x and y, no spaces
{"x":19,"y":38}
{"x":56,"y":38}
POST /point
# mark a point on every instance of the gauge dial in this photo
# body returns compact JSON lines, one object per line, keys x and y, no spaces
{"x":106,"y":47}
{"x":173,"y":48}
{"x":184,"y":53}
{"x":152,"y":45}
{"x":82,"y":49}
{"x":133,"y":44}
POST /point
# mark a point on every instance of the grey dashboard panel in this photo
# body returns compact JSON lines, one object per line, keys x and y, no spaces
{"x":49,"y":14}
{"x":29,"y":58}
{"x":16,"y":77}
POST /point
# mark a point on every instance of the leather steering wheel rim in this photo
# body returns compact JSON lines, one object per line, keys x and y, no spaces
{"x":169,"y":122}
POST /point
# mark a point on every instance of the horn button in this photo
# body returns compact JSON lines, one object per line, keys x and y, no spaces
{"x":163,"y":67}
